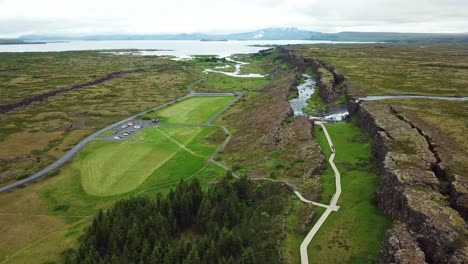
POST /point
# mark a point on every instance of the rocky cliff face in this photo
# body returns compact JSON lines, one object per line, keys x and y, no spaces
{"x":329,"y":82}
{"x":400,"y":247}
{"x":410,"y":190}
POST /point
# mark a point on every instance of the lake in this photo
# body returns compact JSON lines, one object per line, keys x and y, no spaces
{"x":177,"y":48}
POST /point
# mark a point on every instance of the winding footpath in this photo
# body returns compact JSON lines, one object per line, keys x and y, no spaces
{"x":333,"y":203}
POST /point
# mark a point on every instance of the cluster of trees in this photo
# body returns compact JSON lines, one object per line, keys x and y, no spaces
{"x":233,"y":221}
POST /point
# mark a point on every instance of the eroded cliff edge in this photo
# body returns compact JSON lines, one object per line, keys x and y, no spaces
{"x":413,"y":189}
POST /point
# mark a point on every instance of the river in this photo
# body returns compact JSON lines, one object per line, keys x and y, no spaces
{"x":305,"y":91}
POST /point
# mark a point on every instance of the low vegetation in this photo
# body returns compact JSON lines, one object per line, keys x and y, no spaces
{"x":26,"y":74}
{"x":378,"y":69}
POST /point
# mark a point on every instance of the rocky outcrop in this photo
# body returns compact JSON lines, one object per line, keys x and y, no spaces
{"x":329,"y":82}
{"x":410,"y":190}
{"x":400,"y":247}
{"x":459,"y":194}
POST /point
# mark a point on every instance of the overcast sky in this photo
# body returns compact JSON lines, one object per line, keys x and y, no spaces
{"x":84,"y":17}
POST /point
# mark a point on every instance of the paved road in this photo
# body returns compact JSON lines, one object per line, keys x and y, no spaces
{"x":333,"y":202}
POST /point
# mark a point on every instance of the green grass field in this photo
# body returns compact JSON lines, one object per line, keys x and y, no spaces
{"x":354,"y":233}
{"x":110,"y":168}
{"x":194,"y":110}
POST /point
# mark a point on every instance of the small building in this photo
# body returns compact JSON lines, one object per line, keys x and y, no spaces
{"x":155,"y":120}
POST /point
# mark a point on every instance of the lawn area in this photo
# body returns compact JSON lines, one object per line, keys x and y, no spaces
{"x":354,"y":233}
{"x":42,"y":220}
{"x":194,"y":110}
{"x":110,"y":168}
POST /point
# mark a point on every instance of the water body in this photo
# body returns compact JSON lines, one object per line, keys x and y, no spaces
{"x":236,"y":72}
{"x":177,"y":48}
{"x":385,"y":97}
{"x":335,"y":117}
{"x":305,"y":91}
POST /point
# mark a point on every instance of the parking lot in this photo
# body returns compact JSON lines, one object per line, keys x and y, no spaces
{"x":128,"y":129}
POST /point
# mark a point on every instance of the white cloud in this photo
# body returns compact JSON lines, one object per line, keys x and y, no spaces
{"x":19,"y":17}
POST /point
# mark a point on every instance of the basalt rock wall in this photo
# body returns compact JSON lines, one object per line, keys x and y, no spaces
{"x":410,"y":190}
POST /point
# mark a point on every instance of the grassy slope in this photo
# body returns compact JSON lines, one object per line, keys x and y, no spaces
{"x":195,"y":110}
{"x":355,"y":232}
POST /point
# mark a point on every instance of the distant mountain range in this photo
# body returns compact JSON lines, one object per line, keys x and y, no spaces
{"x":4,"y":41}
{"x":271,"y":34}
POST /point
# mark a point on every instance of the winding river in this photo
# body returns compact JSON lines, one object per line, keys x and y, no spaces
{"x":237,"y":72}
{"x":305,"y":91}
